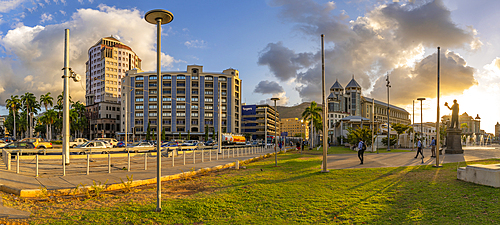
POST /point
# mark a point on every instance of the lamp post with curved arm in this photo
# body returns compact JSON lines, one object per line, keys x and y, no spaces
{"x":275,"y":130}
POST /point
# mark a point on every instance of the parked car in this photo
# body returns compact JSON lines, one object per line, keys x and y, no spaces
{"x":143,"y":146}
{"x":38,"y":142}
{"x":3,"y":143}
{"x":169,"y":144}
{"x":112,"y":141}
{"x":92,"y":146}
{"x":210,"y":143}
{"x":77,"y":141}
{"x":24,"y":147}
{"x":121,"y":144}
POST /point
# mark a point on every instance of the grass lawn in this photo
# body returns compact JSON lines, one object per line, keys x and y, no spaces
{"x":295,"y":192}
{"x":344,"y":150}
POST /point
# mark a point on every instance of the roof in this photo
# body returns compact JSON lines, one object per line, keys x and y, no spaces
{"x":353,"y":83}
{"x":354,"y":118}
{"x":383,"y":103}
{"x":337,"y":85}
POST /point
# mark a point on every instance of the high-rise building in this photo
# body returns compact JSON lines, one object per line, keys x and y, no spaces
{"x":108,"y":61}
{"x":189,"y":101}
{"x":259,"y":121}
{"x":295,"y":127}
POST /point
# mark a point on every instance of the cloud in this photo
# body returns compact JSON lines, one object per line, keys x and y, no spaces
{"x":7,"y":5}
{"x":268,"y":87}
{"x":388,"y":37}
{"x":196,"y":44}
{"x":420,"y":81}
{"x":283,"y":100}
{"x":62,"y":12}
{"x":36,"y":53}
{"x":44,"y":18}
{"x":282,"y":61}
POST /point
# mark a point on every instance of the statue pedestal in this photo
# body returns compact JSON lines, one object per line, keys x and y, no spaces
{"x":454,"y":141}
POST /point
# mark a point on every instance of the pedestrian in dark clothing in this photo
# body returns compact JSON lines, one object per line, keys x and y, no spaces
{"x":298,"y":145}
{"x":433,"y":148}
{"x":361,"y":150}
{"x":419,"y":148}
{"x":280,"y":145}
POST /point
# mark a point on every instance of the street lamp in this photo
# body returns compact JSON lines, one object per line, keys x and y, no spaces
{"x":325,"y":105}
{"x":275,"y":130}
{"x":388,"y":115}
{"x":421,"y":118}
{"x":158,"y":17}
{"x":437,"y":120}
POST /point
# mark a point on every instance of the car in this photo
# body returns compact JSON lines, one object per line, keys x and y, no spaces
{"x":143,"y":146}
{"x":3,"y":143}
{"x":38,"y":142}
{"x":111,"y":141}
{"x":248,"y":143}
{"x":255,"y":143}
{"x":24,"y":147}
{"x":121,"y":144}
{"x":210,"y":143}
{"x":92,"y":146}
{"x":77,"y":141}
{"x":169,"y":144}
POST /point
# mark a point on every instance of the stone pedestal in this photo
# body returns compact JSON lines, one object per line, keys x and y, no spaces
{"x":454,"y":141}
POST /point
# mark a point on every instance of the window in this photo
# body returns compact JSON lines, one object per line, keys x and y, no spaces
{"x":181,"y":122}
{"x":167,"y":99}
{"x":167,"y":77}
{"x":194,"y":122}
{"x":194,"y":107}
{"x":195,"y":78}
{"x":153,"y":114}
{"x":209,"y":107}
{"x":167,"y":84}
{"x":139,"y":107}
{"x":153,"y":106}
{"x":223,"y":107}
{"x":167,"y":92}
{"x":194,"y":84}
{"x":152,"y":77}
{"x":181,"y":92}
{"x":167,"y":114}
{"x":222,"y":79}
{"x":223,"y":100}
{"x":153,"y":84}
{"x":209,"y":78}
{"x":194,"y":92}
{"x":138,"y":122}
{"x":223,"y":115}
{"x":181,"y":77}
{"x":153,"y":99}
{"x":139,"y":99}
{"x":167,"y":121}
{"x":181,"y":99}
{"x":209,"y":99}
{"x":194,"y":99}
{"x":209,"y":92}
{"x":209,"y":85}
{"x":139,"y":85}
{"x":194,"y":114}
{"x":180,"y":114}
{"x":153,"y":92}
{"x":139,"y":114}
{"x":181,"y":84}
{"x":167,"y":106}
{"x":209,"y":115}
{"x":181,"y":106}
{"x":139,"y":78}
{"x":223,"y":93}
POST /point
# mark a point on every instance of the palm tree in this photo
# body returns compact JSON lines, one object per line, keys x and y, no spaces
{"x":78,"y":118}
{"x":312,"y":113}
{"x":31,"y":106}
{"x":51,"y":116}
{"x":13,"y":105}
{"x":46,"y":101}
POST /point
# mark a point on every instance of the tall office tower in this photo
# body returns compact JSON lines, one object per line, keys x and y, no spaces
{"x":108,"y":61}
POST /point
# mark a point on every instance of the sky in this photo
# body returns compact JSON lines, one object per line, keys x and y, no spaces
{"x":276,"y":46}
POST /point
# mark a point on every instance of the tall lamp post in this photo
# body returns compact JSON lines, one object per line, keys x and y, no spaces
{"x":421,"y":118}
{"x":158,"y":17}
{"x":325,"y":105}
{"x":388,"y":115}
{"x":438,"y":138}
{"x":275,"y":130}
{"x":413,"y":126}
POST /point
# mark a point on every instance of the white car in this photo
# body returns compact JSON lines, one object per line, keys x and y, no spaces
{"x":92,"y":146}
{"x":141,"y":147}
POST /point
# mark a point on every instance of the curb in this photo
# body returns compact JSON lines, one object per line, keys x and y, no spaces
{"x":43,"y":192}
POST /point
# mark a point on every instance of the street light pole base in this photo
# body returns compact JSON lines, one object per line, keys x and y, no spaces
{"x":158,"y":210}
{"x":438,"y":166}
{"x":325,"y":171}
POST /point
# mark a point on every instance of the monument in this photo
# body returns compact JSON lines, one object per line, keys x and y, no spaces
{"x":453,"y":133}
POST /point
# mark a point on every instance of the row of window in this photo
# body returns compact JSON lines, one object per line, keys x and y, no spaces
{"x":179,"y":77}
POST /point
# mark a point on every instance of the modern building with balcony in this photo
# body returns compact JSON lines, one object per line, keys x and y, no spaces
{"x":189,"y":104}
{"x":260,"y":121}
{"x":294,"y":127}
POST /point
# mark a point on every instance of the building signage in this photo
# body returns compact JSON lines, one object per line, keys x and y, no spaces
{"x":248,"y":110}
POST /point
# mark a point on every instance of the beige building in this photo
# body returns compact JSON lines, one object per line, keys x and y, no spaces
{"x":108,"y":61}
{"x":189,"y":101}
{"x":497,"y":130}
{"x":294,"y":126}
{"x":397,"y":114}
{"x":473,"y":125}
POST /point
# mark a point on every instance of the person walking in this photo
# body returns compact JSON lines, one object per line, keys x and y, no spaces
{"x":433,"y":148}
{"x":280,"y":145}
{"x":419,"y":148}
{"x":361,"y":150}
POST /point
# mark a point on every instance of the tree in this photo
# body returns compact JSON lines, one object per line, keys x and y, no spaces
{"x":464,"y":127}
{"x":206,"y":133}
{"x":189,"y":135}
{"x":13,"y":105}
{"x":46,"y":101}
{"x":353,"y":136}
{"x":393,"y":140}
{"x":51,"y":116}
{"x":148,"y":132}
{"x":180,"y":136}
{"x":80,"y":122}
{"x":31,"y":106}
{"x":213,"y":133}
{"x":310,"y":113}
{"x":399,"y":128}
{"x":163,"y":134}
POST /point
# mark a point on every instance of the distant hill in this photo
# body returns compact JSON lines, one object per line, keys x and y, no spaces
{"x":293,"y":111}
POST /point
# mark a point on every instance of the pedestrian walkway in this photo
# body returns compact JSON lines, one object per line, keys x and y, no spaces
{"x":398,"y":159}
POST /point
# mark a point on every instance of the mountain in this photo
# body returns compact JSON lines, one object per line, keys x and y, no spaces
{"x":293,"y":111}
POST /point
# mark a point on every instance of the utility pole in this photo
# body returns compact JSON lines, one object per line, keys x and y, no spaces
{"x":325,"y":106}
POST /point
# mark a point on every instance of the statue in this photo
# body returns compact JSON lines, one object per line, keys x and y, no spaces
{"x":454,"y":114}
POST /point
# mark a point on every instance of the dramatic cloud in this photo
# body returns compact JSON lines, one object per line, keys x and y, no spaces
{"x":284,"y":62}
{"x":36,"y":53}
{"x":389,"y":37}
{"x":268,"y":87}
{"x":412,"y":83}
